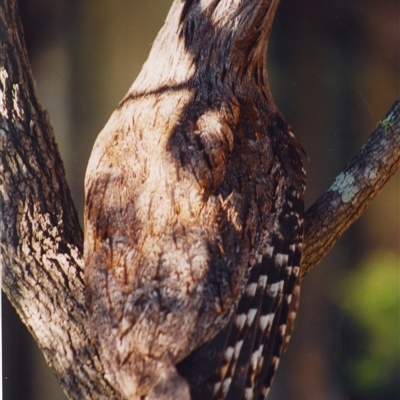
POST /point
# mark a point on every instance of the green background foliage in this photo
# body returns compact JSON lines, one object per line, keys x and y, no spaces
{"x":334,"y":72}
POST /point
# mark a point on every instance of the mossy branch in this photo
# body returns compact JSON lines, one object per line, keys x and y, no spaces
{"x":40,"y":236}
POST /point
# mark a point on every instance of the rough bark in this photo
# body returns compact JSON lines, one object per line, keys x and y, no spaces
{"x":41,"y":240}
{"x":353,"y":189}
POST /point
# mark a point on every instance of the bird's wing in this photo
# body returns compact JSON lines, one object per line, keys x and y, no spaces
{"x":239,"y":363}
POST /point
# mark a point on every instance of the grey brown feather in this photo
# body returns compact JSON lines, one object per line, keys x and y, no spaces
{"x":193,"y":214}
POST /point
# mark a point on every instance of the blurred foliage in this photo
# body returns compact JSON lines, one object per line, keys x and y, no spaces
{"x":334,"y":72}
{"x":370,"y":298}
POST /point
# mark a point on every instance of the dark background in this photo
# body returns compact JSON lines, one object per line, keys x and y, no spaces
{"x":334,"y":72}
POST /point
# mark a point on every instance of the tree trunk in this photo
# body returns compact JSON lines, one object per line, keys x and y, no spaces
{"x":41,"y":240}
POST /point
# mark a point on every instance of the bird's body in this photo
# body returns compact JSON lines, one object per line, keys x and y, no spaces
{"x":193,"y":217}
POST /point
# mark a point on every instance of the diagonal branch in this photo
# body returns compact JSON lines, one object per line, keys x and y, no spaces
{"x":40,"y":237}
{"x":353,"y":189}
{"x":41,"y":240}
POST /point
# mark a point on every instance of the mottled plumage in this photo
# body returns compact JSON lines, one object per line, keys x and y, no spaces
{"x":193,"y":214}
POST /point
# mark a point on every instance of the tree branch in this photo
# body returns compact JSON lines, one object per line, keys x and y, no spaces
{"x":354,"y":188}
{"x":41,"y":240}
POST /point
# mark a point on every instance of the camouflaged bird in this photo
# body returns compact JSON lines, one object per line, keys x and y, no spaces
{"x":194,"y":214}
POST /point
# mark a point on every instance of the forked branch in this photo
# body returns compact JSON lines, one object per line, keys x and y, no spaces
{"x":41,"y":240}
